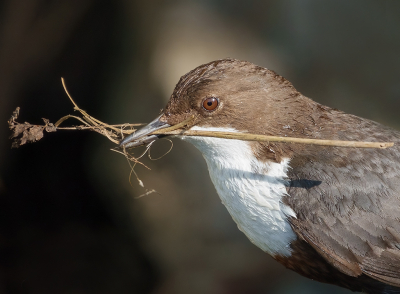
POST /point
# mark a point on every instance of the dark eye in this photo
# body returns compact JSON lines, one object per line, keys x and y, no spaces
{"x":210,"y":103}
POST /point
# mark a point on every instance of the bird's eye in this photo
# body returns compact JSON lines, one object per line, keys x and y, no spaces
{"x":210,"y":103}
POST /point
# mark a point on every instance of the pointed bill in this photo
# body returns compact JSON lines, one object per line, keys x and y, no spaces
{"x":141,"y":136}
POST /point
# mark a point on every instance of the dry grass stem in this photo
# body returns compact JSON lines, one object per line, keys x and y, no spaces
{"x":26,"y":132}
{"x":265,"y":138}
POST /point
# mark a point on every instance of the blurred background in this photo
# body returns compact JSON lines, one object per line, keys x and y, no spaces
{"x":69,"y":222}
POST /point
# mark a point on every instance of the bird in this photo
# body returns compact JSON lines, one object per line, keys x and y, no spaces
{"x":331,"y":214}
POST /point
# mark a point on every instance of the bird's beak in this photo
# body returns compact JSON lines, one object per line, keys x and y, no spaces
{"x":141,"y":136}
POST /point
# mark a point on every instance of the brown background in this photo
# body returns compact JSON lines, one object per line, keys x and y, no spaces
{"x":68,"y":219}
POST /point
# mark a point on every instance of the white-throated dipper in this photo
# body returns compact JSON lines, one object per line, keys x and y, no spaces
{"x":331,"y":214}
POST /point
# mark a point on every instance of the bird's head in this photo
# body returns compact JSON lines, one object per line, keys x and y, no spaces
{"x":229,"y":95}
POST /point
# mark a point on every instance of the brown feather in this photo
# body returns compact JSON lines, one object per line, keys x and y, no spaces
{"x":346,"y":200}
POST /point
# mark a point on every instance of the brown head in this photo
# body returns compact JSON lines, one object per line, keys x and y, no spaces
{"x":240,"y":95}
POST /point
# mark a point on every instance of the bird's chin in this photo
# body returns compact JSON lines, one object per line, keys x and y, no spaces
{"x":143,"y":136}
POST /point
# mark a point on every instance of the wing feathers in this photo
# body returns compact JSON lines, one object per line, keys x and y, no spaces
{"x":386,"y":268}
{"x":346,"y":265}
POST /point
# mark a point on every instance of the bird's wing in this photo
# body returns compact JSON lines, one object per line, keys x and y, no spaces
{"x":348,"y":207}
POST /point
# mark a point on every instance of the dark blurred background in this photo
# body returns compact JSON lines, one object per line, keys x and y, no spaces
{"x":69,"y":222}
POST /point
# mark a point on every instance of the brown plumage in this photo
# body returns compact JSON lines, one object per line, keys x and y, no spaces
{"x":346,"y":200}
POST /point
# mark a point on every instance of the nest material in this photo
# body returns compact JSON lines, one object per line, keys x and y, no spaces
{"x":27,"y":133}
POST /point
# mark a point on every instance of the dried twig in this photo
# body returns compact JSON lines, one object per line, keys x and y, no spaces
{"x":265,"y":138}
{"x":26,"y":132}
{"x":23,"y":133}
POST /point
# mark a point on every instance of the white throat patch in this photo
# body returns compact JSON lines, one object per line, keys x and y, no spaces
{"x":251,"y":190}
